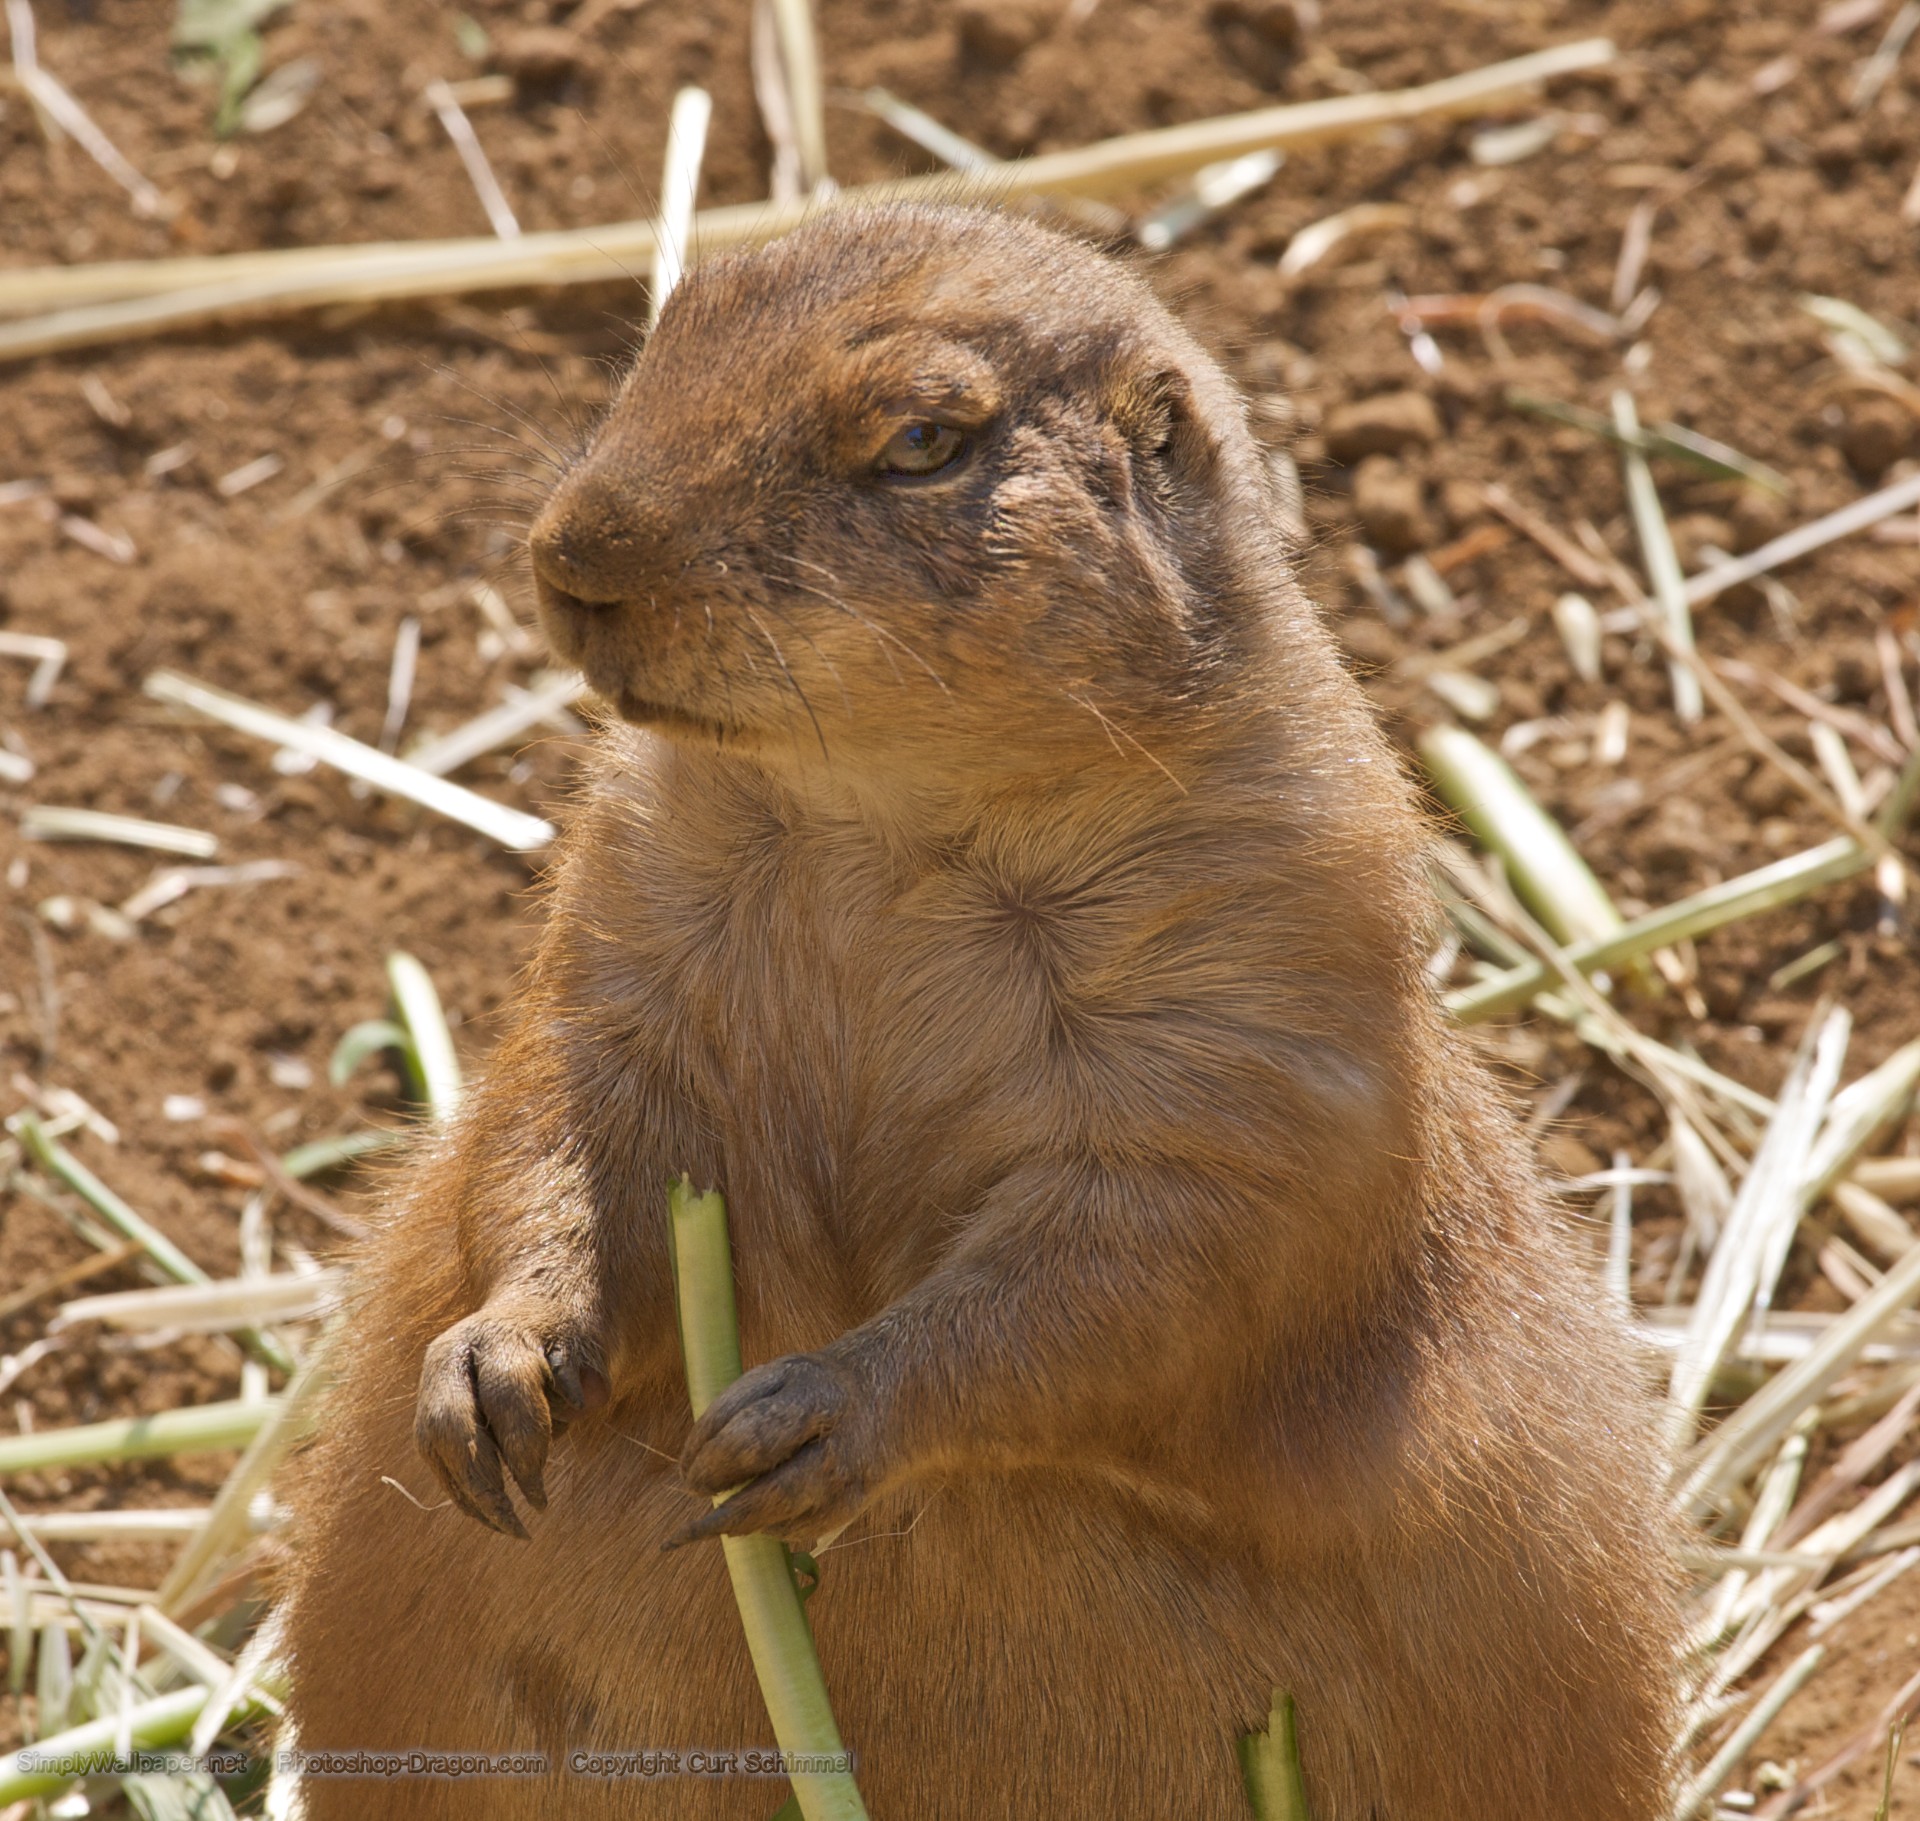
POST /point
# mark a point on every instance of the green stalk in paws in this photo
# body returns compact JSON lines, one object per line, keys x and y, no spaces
{"x":761,"y":1567}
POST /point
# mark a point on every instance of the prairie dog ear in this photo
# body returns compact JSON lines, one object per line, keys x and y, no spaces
{"x":1156,"y":412}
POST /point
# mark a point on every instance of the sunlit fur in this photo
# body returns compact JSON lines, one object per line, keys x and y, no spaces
{"x":1011,"y":904}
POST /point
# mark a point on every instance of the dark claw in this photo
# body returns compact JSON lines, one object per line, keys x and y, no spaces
{"x":761,"y":1420}
{"x":785,"y":1440}
{"x":580,"y":1385}
{"x":780,"y":1503}
{"x":492,"y":1397}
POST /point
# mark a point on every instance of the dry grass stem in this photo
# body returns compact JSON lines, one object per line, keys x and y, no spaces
{"x":1856,"y":726}
{"x":1681,"y":652}
{"x":208,"y":1308}
{"x":1771,"y":1503}
{"x":1896,"y":1178}
{"x":1874,"y":74}
{"x":512,"y":828}
{"x":282,"y":1422}
{"x":51,"y":1283}
{"x":47,"y":822}
{"x":1859,"y":1458}
{"x":473,"y":158}
{"x":198,"y":1658}
{"x":1744,"y":1265}
{"x":1843,"y":522}
{"x":1701,"y":1789}
{"x":250,"y":1682}
{"x":1859,"y":1114}
{"x":1214,"y":188}
{"x":1789,"y":1335}
{"x":1731,"y":1451}
{"x":400,"y":676}
{"x":1824,"y":1615}
{"x":673,"y":233}
{"x":248,"y":476}
{"x":48,"y":657}
{"x":1584,"y":570}
{"x":1767,"y":887}
{"x":1317,"y":239}
{"x":1874,"y":1223}
{"x":485,"y":733}
{"x":171,"y":884}
{"x":54,"y":100}
{"x":919,"y":127}
{"x":131,"y":298}
{"x":1662,"y":563}
{"x":111,"y":1526}
{"x":792,"y":97}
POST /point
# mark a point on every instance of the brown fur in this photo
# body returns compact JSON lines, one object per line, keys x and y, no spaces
{"x":1009,"y":902}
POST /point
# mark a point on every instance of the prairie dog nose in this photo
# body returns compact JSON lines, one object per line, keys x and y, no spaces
{"x":597,"y":541}
{"x":562,"y":565}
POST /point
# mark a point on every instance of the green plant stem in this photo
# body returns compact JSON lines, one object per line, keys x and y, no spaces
{"x":778,"y":1637}
{"x":165,"y":1721}
{"x":1674,"y":440}
{"x":1780,"y":883}
{"x":1762,"y":889}
{"x":199,"y":1429}
{"x":1270,"y":1766}
{"x":417,"y":1007}
{"x":324,"y":1154}
{"x":1545,"y":867}
{"x":63,"y":1166}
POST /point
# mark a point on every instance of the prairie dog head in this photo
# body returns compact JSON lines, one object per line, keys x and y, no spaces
{"x":910,"y":487}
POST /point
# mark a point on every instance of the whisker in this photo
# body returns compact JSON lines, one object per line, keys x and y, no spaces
{"x":495,"y":484}
{"x":1116,"y":733}
{"x":508,"y":435}
{"x":563,"y":456}
{"x":813,"y":645}
{"x":883,"y":633}
{"x":647,"y":207}
{"x":780,"y":657}
{"x":567,"y":409}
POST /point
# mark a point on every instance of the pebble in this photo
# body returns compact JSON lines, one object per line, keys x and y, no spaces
{"x":998,"y":31}
{"x":1391,"y":505}
{"x":1383,"y":425}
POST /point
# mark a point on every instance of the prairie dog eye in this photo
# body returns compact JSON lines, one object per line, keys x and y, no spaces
{"x":922,"y":448}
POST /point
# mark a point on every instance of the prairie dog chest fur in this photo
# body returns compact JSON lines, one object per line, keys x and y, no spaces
{"x":887,"y":1009}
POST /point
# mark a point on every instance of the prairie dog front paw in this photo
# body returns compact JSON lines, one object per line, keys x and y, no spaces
{"x":495,"y":1390}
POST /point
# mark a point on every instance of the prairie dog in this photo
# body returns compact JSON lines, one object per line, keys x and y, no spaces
{"x":994,"y":884}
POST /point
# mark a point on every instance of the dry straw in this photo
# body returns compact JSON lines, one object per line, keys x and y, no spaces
{"x":512,"y":828}
{"x":114,"y":302}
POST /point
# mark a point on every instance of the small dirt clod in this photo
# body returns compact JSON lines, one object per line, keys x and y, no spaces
{"x":1391,"y":506}
{"x":1383,"y":425}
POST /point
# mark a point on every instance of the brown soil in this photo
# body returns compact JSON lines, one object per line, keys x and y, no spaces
{"x":388,"y":504}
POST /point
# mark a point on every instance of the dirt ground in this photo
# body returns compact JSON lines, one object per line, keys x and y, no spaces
{"x":412,"y":442}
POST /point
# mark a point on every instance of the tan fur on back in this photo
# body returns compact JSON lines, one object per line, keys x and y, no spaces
{"x":1005,"y":897}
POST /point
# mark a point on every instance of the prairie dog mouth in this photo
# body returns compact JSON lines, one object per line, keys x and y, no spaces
{"x":576,"y":630}
{"x":660,"y":717}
